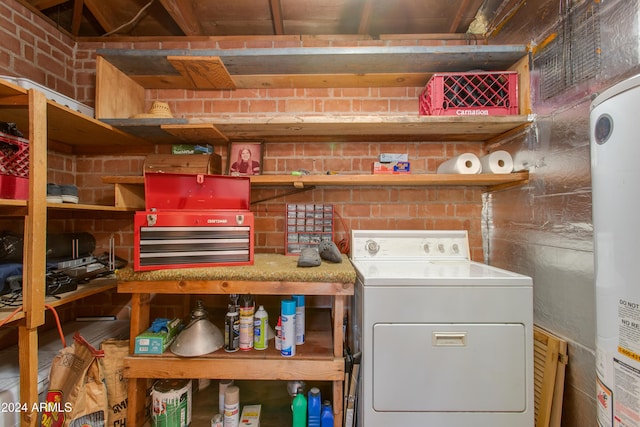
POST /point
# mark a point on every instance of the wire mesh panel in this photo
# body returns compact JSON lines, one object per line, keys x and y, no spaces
{"x":574,"y":55}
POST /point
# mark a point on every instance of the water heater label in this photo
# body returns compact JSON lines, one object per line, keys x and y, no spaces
{"x":626,"y":394}
{"x":629,"y":328}
{"x":604,"y":404}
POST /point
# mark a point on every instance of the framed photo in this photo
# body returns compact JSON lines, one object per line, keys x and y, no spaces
{"x":244,"y":158}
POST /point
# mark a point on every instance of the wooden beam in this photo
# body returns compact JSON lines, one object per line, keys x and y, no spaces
{"x":276,"y":16}
{"x":35,"y":224}
{"x":181,"y":11}
{"x":28,"y":356}
{"x":104,"y":19}
{"x":453,"y":28}
{"x":78,"y":5}
{"x":365,"y":18}
{"x":45,"y":4}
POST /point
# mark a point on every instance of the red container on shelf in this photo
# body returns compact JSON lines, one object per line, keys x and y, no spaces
{"x":14,"y":167}
{"x":194,"y":220}
{"x":470,"y":94}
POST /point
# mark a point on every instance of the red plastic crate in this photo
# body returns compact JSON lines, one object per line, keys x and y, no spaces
{"x":14,"y":167}
{"x":470,"y":94}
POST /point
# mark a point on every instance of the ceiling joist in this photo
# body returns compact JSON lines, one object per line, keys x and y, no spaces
{"x":276,"y":15}
{"x":181,"y":11}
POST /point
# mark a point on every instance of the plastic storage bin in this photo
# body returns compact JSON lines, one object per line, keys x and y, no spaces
{"x":14,"y":167}
{"x":470,"y":94}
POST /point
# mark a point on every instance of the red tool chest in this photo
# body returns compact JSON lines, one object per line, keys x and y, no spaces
{"x":194,"y":220}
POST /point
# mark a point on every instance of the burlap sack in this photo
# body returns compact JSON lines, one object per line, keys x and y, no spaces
{"x":77,"y":394}
{"x":113,"y":366}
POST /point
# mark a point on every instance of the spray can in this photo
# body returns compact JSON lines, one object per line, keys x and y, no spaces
{"x":261,"y":326}
{"x":232,"y":329}
{"x":300,"y":321}
{"x":247,"y":309}
{"x":278,"y":339}
{"x":217,"y":421}
{"x":232,"y":406}
{"x":314,"y":407}
{"x":222,"y":388}
{"x":326,"y":417}
{"x":288,"y":318}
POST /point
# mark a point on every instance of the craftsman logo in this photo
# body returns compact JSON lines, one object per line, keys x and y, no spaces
{"x":217,"y":221}
{"x":472,"y":112}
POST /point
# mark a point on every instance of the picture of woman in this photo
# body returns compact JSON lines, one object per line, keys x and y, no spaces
{"x":247,"y":159}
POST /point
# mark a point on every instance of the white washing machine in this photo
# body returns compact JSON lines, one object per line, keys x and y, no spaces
{"x":445,"y":341}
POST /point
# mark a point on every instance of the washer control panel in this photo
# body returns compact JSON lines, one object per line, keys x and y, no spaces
{"x":410,"y":244}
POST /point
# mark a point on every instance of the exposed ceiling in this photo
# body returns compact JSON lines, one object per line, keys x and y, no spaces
{"x":141,"y":18}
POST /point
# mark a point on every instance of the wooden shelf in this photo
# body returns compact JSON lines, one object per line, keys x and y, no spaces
{"x":66,"y":126}
{"x":314,"y":360}
{"x":96,"y":286}
{"x":13,"y":208}
{"x":306,"y":67}
{"x":88,"y":208}
{"x":282,"y":128}
{"x":130,"y":189}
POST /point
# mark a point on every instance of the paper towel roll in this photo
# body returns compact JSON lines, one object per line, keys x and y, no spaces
{"x":497,"y":162}
{"x":467,"y":163}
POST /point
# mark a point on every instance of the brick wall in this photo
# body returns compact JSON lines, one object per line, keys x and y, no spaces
{"x":358,"y":207}
{"x":33,"y":49}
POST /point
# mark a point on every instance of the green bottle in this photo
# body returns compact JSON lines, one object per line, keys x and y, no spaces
{"x":299,"y":408}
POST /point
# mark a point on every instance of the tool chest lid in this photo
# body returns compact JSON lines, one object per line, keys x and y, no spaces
{"x":176,"y":191}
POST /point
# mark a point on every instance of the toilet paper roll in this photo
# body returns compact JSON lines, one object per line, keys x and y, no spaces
{"x":497,"y":162}
{"x":467,"y":163}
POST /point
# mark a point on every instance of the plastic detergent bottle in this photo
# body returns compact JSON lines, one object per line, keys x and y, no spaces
{"x":326,"y":418}
{"x":299,"y":409}
{"x":314,"y":406}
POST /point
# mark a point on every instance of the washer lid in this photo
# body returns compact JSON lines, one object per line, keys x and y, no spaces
{"x":433,"y":273}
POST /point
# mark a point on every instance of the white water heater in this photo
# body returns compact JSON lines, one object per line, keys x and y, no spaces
{"x":615,"y":170}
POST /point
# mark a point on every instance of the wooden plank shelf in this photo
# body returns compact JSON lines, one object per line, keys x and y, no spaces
{"x":314,"y":360}
{"x":290,"y":67}
{"x":84,"y":290}
{"x":70,"y":127}
{"x":316,"y":128}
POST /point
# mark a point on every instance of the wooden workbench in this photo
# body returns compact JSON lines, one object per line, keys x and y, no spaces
{"x":319,"y":359}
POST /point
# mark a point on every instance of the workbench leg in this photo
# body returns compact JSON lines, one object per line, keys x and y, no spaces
{"x":338,"y":321}
{"x":137,"y":392}
{"x":338,"y":397}
{"x":338,"y":339}
{"x":28,"y":350}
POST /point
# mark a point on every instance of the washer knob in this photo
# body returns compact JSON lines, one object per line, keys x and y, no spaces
{"x":372,"y":247}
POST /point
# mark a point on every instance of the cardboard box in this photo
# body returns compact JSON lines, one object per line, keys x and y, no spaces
{"x":391,"y":168}
{"x":393,"y":157}
{"x":184,"y":163}
{"x":250,"y":416}
{"x":150,"y":342}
